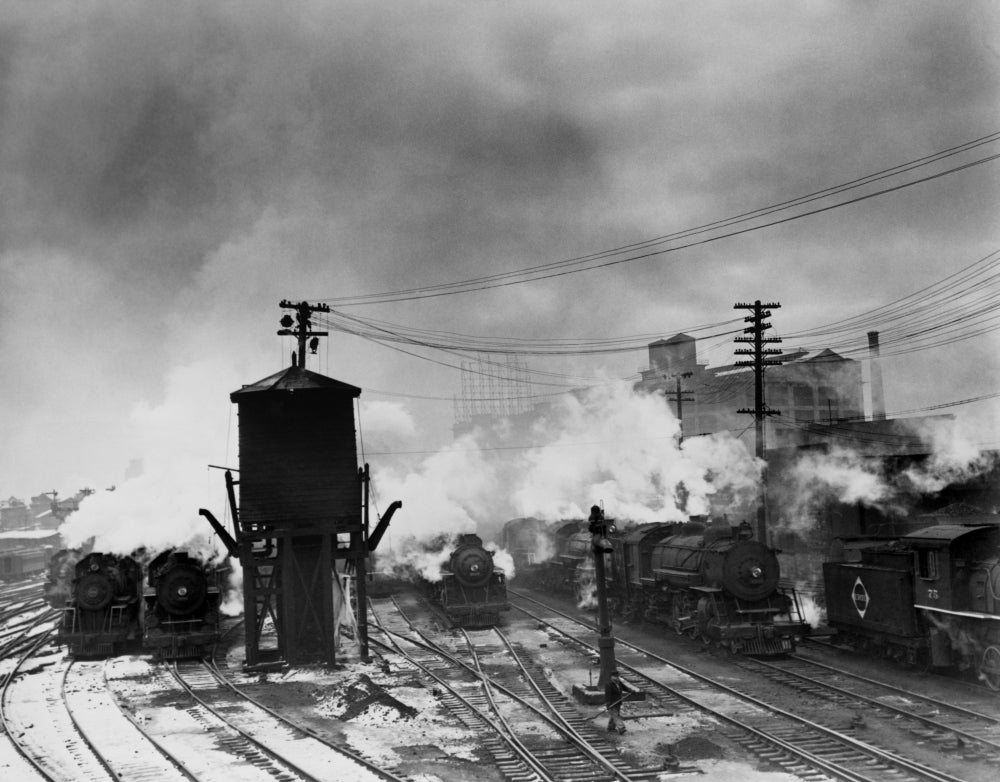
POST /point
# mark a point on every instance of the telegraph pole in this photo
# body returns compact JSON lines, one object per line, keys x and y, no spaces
{"x":303,"y":324}
{"x":760,"y":410}
{"x":679,"y":398}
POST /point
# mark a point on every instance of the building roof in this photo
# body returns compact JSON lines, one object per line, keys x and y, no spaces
{"x":674,"y":340}
{"x":28,"y":534}
{"x":296,"y":379}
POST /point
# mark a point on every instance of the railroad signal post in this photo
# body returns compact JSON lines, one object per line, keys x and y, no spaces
{"x":600,"y":545}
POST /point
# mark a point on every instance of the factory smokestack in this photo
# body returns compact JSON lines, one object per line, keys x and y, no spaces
{"x":875,"y":369}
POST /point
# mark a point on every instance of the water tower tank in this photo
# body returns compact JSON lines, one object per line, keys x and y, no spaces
{"x":298,"y":452}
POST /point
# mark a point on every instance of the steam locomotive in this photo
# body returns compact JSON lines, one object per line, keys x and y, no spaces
{"x":472,"y":591}
{"x":931,"y":597}
{"x":705,"y":579}
{"x":181,"y":604}
{"x":100,"y":610}
{"x":107,"y":610}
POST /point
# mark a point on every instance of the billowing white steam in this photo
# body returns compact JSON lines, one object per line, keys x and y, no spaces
{"x":619,"y":448}
{"x":839,"y":475}
{"x":954,"y":456}
{"x":158,"y":509}
{"x":610,"y":446}
{"x":847,"y":476}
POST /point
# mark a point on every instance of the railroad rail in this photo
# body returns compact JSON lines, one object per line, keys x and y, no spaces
{"x":955,"y":680}
{"x":799,"y":745}
{"x":563,"y":747}
{"x":976,"y":733}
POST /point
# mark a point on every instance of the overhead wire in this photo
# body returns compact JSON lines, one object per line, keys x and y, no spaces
{"x":646,"y":249}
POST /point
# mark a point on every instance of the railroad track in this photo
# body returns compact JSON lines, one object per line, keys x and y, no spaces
{"x":954,"y":679}
{"x":801,"y":746}
{"x":531,"y":731}
{"x":974,"y":735}
{"x":64,"y":724}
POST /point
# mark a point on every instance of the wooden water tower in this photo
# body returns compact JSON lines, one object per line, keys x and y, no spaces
{"x":300,"y":509}
{"x":303,"y":505}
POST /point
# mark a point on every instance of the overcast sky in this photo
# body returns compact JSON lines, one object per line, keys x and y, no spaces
{"x":170,"y":171}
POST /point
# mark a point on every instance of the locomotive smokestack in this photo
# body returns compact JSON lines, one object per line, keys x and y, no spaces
{"x":875,"y":369}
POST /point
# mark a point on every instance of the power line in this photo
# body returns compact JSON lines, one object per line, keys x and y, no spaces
{"x":642,"y":250}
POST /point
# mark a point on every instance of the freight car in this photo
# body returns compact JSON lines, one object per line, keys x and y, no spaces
{"x":472,"y":591}
{"x":101,"y":607}
{"x":16,"y":564}
{"x":928,"y":598}
{"x":181,"y":602}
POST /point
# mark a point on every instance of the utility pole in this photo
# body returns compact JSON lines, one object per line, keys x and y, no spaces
{"x":303,"y":323}
{"x":679,"y":398}
{"x":760,"y":409}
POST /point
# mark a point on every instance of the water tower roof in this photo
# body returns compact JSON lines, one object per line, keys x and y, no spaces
{"x":296,"y":379}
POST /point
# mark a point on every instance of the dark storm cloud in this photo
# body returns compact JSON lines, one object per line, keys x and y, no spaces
{"x":170,"y":171}
{"x":150,"y":120}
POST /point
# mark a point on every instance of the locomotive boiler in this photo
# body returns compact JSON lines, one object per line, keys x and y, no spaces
{"x":181,"y":601}
{"x":716,"y":582}
{"x":472,"y":591}
{"x":708,"y":580}
{"x":101,"y":607}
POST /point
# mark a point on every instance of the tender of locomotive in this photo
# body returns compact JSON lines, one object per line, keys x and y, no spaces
{"x":472,"y":592}
{"x":928,"y":598}
{"x":100,"y":613}
{"x":182,"y":598}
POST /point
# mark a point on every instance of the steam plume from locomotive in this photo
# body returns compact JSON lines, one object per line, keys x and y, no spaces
{"x":608,"y":445}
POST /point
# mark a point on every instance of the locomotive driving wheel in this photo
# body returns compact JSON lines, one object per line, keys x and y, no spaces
{"x":706,"y":614}
{"x":989,"y":667}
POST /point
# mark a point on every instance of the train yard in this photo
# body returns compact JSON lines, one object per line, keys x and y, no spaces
{"x":496,"y":703}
